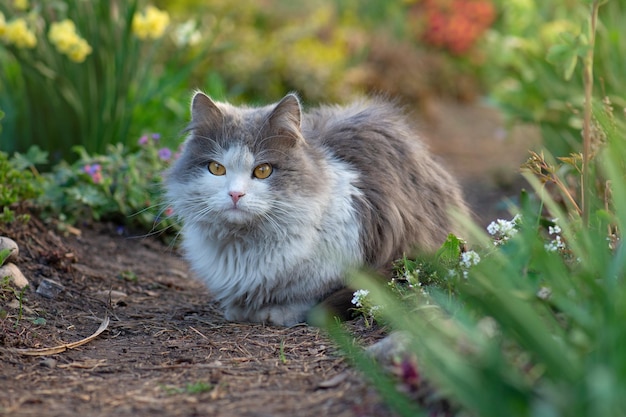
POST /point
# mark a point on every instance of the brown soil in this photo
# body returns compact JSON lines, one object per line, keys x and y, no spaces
{"x":167,"y":351}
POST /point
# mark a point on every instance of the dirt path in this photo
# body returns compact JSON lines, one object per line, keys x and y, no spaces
{"x":167,"y":351}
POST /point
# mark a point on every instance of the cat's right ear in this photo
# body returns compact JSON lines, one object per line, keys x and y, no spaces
{"x":205,"y":111}
{"x":284,"y":121}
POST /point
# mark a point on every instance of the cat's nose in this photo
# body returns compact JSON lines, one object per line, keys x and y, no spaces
{"x":235,"y":196}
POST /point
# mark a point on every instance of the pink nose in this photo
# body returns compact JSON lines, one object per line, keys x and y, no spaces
{"x":235,"y":195}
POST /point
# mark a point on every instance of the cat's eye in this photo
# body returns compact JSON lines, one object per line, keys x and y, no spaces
{"x":216,"y":168}
{"x":262,"y":171}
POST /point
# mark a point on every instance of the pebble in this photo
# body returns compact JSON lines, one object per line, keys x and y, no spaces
{"x":19,"y":305}
{"x":49,"y":288}
{"x":6,"y":243}
{"x":15,"y":275}
{"x":48,"y":363}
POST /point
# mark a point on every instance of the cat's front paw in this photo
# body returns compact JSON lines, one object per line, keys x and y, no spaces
{"x":280,"y":315}
{"x":286,"y":315}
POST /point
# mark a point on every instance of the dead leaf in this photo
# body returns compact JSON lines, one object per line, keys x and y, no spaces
{"x":62,"y":348}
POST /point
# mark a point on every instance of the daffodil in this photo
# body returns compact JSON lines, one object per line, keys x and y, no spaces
{"x":64,"y":37}
{"x":151,"y":23}
{"x":79,"y":50}
{"x":17,"y":33}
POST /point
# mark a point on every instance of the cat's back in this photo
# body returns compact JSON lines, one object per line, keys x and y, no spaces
{"x":406,"y":196}
{"x":362,"y":130}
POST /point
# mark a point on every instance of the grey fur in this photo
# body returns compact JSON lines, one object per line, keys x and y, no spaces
{"x":351,"y":186}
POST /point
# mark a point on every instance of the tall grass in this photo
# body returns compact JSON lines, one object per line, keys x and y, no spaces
{"x":535,"y":328}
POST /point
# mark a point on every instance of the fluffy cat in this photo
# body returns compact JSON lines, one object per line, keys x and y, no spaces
{"x":277,"y":205}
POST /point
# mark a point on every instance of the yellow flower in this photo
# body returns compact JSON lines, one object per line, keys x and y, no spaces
{"x":79,"y":51}
{"x":64,"y":37}
{"x":18,"y":34}
{"x":151,"y":23}
{"x":21,"y":4}
{"x":3,"y":25}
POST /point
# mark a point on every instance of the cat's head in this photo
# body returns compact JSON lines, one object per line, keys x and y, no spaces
{"x":242,"y":166}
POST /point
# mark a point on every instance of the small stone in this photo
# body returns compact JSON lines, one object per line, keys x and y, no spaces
{"x":15,"y":275}
{"x":385,"y":350}
{"x":49,"y":288}
{"x":49,"y":363}
{"x":19,"y":305}
{"x":6,"y":243}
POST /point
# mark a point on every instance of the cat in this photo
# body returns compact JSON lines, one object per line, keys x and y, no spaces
{"x":277,"y":204}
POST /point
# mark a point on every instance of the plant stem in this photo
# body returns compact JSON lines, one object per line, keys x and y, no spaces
{"x":586,"y":187}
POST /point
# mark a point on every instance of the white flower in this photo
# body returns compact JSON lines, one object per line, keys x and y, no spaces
{"x":554,"y":230}
{"x":187,"y":34}
{"x":469,"y":259}
{"x":544,"y":293}
{"x":555,"y":244}
{"x":503,"y":230}
{"x":359,"y":296}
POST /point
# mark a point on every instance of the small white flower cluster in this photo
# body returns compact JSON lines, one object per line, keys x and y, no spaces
{"x":468,"y":259}
{"x":557,"y":243}
{"x":544,"y":293}
{"x":359,"y":296}
{"x":503,"y":230}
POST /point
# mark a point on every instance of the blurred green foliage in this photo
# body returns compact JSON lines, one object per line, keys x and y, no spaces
{"x":246,"y":51}
{"x":57,"y":100}
{"x":531,"y":47}
{"x":18,"y":185}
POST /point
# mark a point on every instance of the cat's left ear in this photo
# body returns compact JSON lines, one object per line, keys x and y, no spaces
{"x":286,"y":118}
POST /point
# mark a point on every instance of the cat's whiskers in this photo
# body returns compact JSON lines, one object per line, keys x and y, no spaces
{"x":202,"y":215}
{"x":352,"y":186}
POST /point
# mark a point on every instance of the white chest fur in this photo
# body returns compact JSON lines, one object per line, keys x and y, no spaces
{"x":290,"y":262}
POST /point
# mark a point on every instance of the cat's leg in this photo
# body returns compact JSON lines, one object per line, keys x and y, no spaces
{"x":282,"y":315}
{"x":235,"y":313}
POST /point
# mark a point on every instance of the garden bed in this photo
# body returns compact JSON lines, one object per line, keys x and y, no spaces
{"x":167,"y":350}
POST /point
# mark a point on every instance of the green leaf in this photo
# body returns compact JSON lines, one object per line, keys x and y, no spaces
{"x":4,"y":254}
{"x":449,"y":253}
{"x":34,"y":156}
{"x":564,"y":58}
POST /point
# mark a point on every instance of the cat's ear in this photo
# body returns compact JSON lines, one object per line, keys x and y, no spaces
{"x":205,"y":111}
{"x":285,"y":119}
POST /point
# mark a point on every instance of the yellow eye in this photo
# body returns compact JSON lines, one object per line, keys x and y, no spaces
{"x":262,"y":171}
{"x":216,"y":168}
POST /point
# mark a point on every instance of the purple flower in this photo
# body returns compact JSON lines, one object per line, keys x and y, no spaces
{"x":156,"y":137}
{"x":143,"y":140}
{"x":94,"y":171}
{"x":165,"y":154}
